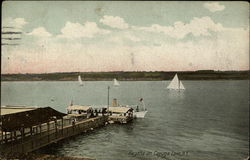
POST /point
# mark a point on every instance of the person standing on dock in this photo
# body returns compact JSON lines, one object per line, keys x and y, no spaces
{"x":137,"y":108}
{"x":73,"y":121}
{"x":96,"y":113}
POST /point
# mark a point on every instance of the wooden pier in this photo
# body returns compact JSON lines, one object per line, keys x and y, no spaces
{"x":26,"y":129}
{"x":48,"y":133}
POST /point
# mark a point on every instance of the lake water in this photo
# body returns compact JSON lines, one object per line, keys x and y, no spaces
{"x":207,"y":121}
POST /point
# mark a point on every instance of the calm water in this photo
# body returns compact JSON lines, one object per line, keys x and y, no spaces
{"x":209,"y":120}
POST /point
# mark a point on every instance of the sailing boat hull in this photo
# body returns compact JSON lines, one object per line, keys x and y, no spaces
{"x":181,"y":89}
{"x":140,"y":114}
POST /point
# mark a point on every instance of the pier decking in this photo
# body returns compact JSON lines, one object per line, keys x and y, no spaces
{"x":33,"y":140}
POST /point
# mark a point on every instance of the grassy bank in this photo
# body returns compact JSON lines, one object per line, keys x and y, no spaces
{"x":93,"y":76}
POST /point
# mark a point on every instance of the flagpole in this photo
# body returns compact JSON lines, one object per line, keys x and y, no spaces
{"x":108,"y":98}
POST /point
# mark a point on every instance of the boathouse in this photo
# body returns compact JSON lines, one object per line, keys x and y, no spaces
{"x":26,"y":129}
{"x":19,"y":122}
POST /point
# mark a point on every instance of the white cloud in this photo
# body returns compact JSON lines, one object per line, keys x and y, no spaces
{"x":197,"y":26}
{"x":16,"y":23}
{"x":40,"y":32}
{"x":132,"y":37}
{"x":123,"y":37}
{"x":114,"y":22}
{"x":115,"y":39}
{"x":214,"y":6}
{"x":228,"y":50}
{"x":77,"y":30}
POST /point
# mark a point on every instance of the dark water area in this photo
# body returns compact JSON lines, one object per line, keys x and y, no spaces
{"x":209,"y":120}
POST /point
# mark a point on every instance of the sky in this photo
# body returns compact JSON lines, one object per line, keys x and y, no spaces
{"x":86,"y":36}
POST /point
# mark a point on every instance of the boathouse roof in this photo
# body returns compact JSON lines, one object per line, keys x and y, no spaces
{"x":15,"y":109}
{"x":120,"y":109}
{"x":77,"y":107}
{"x":25,"y":117}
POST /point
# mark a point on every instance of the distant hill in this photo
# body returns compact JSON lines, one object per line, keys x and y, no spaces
{"x":92,"y":76}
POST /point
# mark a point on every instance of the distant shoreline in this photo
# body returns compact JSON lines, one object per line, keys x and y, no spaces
{"x":130,"y":76}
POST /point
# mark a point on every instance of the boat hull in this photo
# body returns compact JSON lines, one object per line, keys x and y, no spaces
{"x":140,"y":114}
{"x":176,"y":89}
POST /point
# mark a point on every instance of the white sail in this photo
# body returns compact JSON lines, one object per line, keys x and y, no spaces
{"x":80,"y":81}
{"x":175,"y":83}
{"x":116,"y":83}
{"x":143,"y":104}
{"x":181,"y":86}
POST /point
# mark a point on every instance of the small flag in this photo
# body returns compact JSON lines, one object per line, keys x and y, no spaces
{"x":141,"y":99}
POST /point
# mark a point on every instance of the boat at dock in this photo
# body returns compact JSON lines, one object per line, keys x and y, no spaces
{"x":176,"y":84}
{"x":140,"y":110}
{"x":140,"y":114}
{"x":120,"y":114}
{"x":116,"y":114}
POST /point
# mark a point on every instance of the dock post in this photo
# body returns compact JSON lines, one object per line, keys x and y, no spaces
{"x":62,"y":126}
{"x":11,"y":142}
{"x":48,"y":130}
{"x":5,"y":137}
{"x":31,"y":135}
{"x":15,"y":135}
{"x":1,"y":137}
{"x":22,"y":136}
{"x":40,"y":133}
{"x":56,"y":127}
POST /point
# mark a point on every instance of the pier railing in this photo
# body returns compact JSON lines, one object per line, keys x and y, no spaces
{"x":46,"y":134}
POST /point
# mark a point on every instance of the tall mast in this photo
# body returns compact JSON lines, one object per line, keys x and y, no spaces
{"x":108,"y":98}
{"x":178,"y":84}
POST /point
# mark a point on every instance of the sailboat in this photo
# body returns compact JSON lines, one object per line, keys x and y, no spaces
{"x":176,"y":84}
{"x":140,"y":114}
{"x":116,"y":83}
{"x":80,"y":80}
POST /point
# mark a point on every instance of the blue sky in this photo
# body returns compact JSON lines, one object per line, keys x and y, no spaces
{"x":124,"y":36}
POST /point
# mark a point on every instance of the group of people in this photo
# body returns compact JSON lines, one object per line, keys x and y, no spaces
{"x":96,"y":112}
